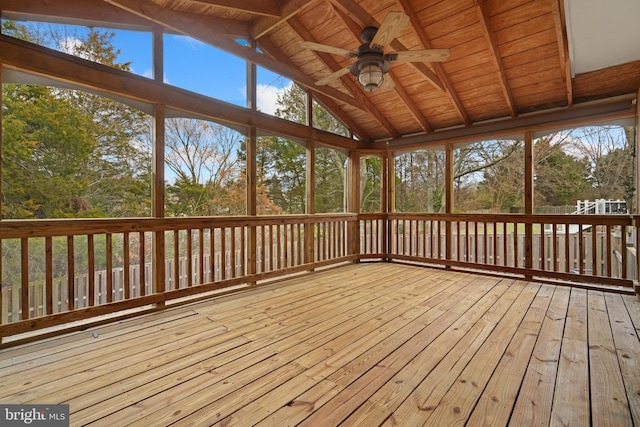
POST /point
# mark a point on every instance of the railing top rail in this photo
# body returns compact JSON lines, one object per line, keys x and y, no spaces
{"x":70,"y":227}
{"x":614,"y":220}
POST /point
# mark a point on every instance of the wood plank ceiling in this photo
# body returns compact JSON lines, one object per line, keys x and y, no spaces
{"x":508,"y":57}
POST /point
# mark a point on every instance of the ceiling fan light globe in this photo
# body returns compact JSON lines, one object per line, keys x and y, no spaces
{"x":371,"y":77}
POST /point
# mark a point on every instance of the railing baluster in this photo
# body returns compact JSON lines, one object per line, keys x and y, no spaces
{"x":301,"y":260}
{"x":125,"y":266}
{"x":609,"y":251}
{"x":556,"y":247}
{"x":594,"y":250}
{"x":48,"y":255}
{"x":71,"y":275}
{"x":223,"y":253}
{"x":189,"y":258}
{"x":337,"y":239}
{"x":233,"y":261}
{"x":467,"y":255}
{"x":201,"y":256}
{"x":142,"y":255}
{"x":411,"y":237}
{"x":515,"y":245}
{"x":243,"y":249}
{"x":543,"y":255}
{"x":109,"y":263}
{"x":623,"y":250}
{"x":24,"y":277}
{"x":475,"y":242}
{"x":567,"y":253}
{"x":581,"y":254}
{"x":485,"y":244}
{"x":176,"y":260}
{"x":279,"y":244}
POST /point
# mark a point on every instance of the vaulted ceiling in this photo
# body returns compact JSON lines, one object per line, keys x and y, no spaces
{"x":507,"y":58}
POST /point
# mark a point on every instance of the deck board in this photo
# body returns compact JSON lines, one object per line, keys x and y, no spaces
{"x":364,"y":344}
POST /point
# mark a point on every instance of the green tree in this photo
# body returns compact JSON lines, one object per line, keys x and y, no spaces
{"x":47,"y":147}
{"x":502,"y":185}
{"x":559,"y":178}
{"x":330,"y":180}
{"x":115,"y":174}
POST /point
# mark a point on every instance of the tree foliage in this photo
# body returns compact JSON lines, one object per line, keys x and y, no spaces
{"x":69,"y":153}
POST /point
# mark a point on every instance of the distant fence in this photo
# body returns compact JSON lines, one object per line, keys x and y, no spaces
{"x":176,"y":278}
{"x":593,"y":249}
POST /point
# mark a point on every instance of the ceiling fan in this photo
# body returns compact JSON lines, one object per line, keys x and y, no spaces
{"x":372,"y":63}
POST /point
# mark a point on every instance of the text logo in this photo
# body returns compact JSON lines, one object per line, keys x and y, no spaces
{"x":34,"y":415}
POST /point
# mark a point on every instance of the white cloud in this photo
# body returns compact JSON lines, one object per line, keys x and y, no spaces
{"x":70,"y":45}
{"x":194,"y":44}
{"x":267,"y":96}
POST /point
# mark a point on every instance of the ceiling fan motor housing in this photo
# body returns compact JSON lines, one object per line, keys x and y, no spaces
{"x":371,"y":65}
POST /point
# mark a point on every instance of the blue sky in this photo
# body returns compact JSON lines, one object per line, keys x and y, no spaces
{"x":198,"y":67}
{"x":189,"y":64}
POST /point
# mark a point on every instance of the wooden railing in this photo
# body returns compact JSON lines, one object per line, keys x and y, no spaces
{"x":598,"y":249}
{"x":60,"y":271}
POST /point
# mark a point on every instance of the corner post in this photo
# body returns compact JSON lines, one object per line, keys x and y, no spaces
{"x":157,"y":208}
{"x":354,"y":203}
{"x":157,"y":203}
{"x":528,"y":202}
{"x":310,"y":209}
{"x":389,"y":205}
{"x":637,"y":196}
{"x":449,"y":203}
{"x":252,"y":170}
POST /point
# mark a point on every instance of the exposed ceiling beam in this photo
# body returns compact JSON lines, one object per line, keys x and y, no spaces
{"x":334,"y":109}
{"x":348,"y":81}
{"x":426,"y":43}
{"x":411,"y":106}
{"x":606,"y":110}
{"x":495,"y":55}
{"x":358,"y":14}
{"x":263,"y":25}
{"x":83,"y":12}
{"x":198,"y":28}
{"x":262,"y":7}
{"x":563,"y":45}
{"x":20,"y":55}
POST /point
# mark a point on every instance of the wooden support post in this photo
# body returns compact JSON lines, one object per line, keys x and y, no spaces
{"x":449,"y":203}
{"x":389,"y":202}
{"x":158,"y":54}
{"x":637,"y":182}
{"x":309,"y":235}
{"x":252,"y":170}
{"x":252,"y":208}
{"x":157,"y":202}
{"x":528,"y":201}
{"x":1,"y":162}
{"x":354,"y":202}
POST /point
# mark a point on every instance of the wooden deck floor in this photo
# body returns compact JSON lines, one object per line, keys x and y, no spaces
{"x":367,"y":344}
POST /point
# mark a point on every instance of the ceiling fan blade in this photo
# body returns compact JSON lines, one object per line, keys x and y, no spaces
{"x":424,"y":55}
{"x":389,"y":29}
{"x":341,"y":72}
{"x":328,"y":49}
